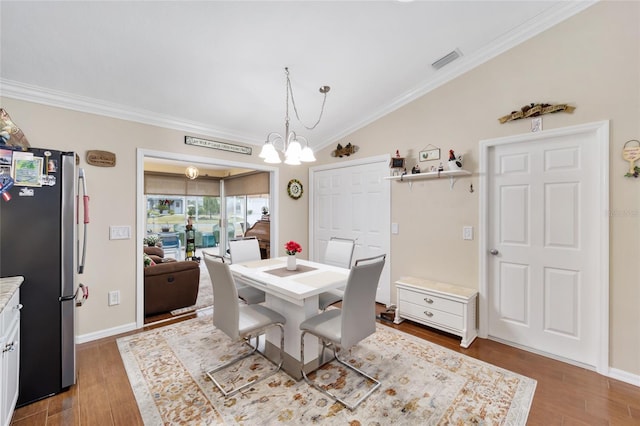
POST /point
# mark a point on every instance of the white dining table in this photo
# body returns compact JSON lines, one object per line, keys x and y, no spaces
{"x":294,"y":294}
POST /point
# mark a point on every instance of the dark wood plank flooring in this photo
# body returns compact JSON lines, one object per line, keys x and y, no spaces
{"x":565,"y":394}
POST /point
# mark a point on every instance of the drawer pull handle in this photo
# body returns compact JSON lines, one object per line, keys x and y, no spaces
{"x":429,"y":314}
{"x":426,"y":299}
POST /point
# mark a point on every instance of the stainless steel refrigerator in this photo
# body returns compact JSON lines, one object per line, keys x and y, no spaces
{"x":38,"y":240}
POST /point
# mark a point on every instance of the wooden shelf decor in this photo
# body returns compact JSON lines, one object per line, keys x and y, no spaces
{"x":534,"y":110}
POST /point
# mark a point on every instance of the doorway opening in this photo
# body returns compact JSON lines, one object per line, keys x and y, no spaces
{"x":218,"y":211}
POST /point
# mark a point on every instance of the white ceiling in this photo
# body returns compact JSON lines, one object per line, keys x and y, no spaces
{"x":217,"y":68}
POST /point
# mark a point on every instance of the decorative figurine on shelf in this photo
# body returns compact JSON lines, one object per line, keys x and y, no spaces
{"x":397,"y":164}
{"x":440,"y":167}
{"x":454,"y":163}
{"x":415,"y":170}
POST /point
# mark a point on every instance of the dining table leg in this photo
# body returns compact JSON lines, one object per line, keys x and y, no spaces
{"x":295,"y":314}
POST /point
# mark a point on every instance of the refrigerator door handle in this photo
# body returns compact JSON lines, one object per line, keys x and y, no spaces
{"x":82,"y":184}
{"x":80,"y":301}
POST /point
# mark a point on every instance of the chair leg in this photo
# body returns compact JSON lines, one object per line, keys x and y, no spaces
{"x":226,"y":394}
{"x":346,"y":364}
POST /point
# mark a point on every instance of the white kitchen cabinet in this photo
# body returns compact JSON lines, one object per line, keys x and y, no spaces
{"x":439,"y":305}
{"x":10,"y":350}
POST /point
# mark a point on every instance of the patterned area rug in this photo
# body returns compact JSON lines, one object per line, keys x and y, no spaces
{"x":422,"y":383}
{"x":205,"y":293}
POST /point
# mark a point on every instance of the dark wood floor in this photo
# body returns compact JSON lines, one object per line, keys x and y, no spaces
{"x":565,"y":394}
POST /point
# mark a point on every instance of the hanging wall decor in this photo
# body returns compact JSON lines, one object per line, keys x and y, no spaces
{"x":534,"y":110}
{"x":101,"y":158}
{"x":344,"y":151}
{"x":295,"y":189}
{"x":10,"y":134}
{"x":631,"y":153}
{"x":222,"y":146}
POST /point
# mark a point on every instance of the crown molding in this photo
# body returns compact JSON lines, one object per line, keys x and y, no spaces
{"x":539,"y":24}
{"x":553,"y":16}
{"x":54,"y":98}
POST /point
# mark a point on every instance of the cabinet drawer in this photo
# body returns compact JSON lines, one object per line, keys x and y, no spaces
{"x":10,"y":313}
{"x":431,"y":301}
{"x":429,"y":315}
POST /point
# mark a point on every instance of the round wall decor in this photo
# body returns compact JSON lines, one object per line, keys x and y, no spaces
{"x":294,"y":189}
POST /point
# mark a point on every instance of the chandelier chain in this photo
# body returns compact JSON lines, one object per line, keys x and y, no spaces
{"x":295,"y":109}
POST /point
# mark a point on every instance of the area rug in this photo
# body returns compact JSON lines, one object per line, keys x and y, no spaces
{"x":422,"y":383}
{"x":205,"y":293}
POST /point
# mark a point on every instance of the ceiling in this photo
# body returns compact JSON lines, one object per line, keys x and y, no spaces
{"x":217,"y":68}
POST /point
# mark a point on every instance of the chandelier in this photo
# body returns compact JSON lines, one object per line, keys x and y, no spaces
{"x":293,"y":151}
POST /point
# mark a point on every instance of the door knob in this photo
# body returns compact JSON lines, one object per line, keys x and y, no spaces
{"x":494,"y":252}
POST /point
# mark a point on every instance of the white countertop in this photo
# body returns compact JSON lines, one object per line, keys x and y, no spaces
{"x":8,"y":287}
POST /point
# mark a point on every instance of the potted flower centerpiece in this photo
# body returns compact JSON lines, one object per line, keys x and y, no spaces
{"x":292,"y":248}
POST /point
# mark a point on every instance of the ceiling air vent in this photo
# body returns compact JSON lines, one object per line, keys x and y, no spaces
{"x":446,"y":59}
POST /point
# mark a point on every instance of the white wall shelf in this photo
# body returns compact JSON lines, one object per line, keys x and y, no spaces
{"x":451,"y":174}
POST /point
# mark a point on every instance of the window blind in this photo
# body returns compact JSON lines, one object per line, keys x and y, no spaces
{"x":165,"y":184}
{"x":252,"y":184}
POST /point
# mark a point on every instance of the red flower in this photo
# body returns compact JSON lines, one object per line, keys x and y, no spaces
{"x":291,"y":247}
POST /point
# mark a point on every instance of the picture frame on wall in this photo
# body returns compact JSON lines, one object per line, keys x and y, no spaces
{"x":430,"y":154}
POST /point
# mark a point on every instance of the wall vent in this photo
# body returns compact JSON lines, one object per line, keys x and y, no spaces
{"x":446,"y":59}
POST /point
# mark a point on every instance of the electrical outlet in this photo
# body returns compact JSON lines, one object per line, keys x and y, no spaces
{"x":467,"y":232}
{"x":114,"y":297}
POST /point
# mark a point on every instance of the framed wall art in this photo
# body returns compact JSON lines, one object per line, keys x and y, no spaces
{"x":430,"y":154}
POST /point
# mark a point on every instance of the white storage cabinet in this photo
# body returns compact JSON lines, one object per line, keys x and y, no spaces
{"x":10,"y":357}
{"x":439,"y":305}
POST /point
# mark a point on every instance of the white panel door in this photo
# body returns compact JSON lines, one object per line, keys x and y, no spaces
{"x":543,"y":271}
{"x":352,"y":200}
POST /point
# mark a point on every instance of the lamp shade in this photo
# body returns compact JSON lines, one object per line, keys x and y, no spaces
{"x":307,"y":155}
{"x":268,"y":150}
{"x":272,"y":157}
{"x":293,"y":150}
{"x":192,"y":172}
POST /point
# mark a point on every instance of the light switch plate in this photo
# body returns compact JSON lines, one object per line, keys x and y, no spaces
{"x":121,"y":232}
{"x":467,"y":232}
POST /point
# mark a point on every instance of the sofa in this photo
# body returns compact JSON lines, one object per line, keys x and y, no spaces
{"x":169,"y":284}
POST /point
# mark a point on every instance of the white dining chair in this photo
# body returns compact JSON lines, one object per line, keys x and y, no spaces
{"x":344,"y":328}
{"x":239,"y":321}
{"x":246,"y":250}
{"x":339,"y":253}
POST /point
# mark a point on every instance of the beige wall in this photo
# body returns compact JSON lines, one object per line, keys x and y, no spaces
{"x":111,"y":264}
{"x":590,"y":61}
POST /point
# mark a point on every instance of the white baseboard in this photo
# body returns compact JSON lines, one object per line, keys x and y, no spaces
{"x":84,"y":338}
{"x":624,"y":376}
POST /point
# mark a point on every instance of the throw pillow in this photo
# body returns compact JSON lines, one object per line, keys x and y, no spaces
{"x":147,"y":260}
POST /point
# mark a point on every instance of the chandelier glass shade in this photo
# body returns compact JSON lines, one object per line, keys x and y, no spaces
{"x":294,"y":152}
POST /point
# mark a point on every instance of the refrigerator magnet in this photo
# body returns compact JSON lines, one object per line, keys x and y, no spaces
{"x":48,"y":180}
{"x":27,"y":171}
